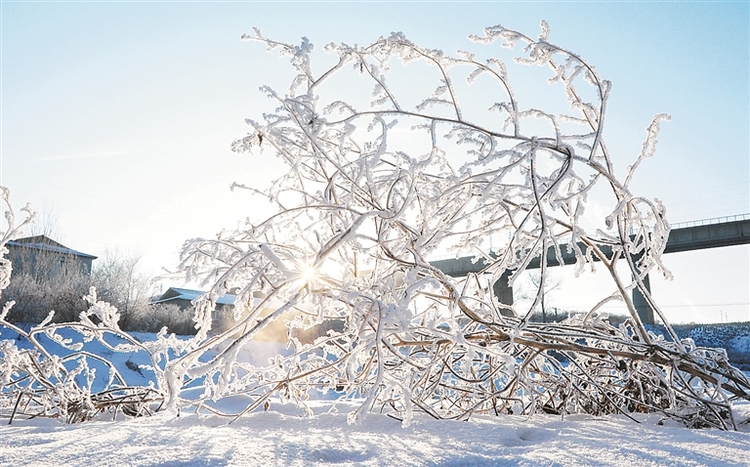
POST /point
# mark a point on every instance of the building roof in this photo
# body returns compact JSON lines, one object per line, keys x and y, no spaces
{"x":177,"y":293}
{"x":44,"y":243}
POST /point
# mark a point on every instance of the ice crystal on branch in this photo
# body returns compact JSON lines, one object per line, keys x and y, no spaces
{"x":444,"y":158}
{"x":371,"y":194}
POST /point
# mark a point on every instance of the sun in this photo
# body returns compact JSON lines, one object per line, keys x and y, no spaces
{"x":308,"y":273}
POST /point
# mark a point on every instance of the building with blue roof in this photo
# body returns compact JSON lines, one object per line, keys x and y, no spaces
{"x":183,"y":298}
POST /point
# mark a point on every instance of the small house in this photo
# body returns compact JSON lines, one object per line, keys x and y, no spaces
{"x":183,"y":298}
{"x":41,"y":257}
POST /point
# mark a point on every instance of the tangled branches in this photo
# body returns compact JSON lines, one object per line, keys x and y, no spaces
{"x":377,"y":186}
{"x":47,"y":373}
{"x":372,"y":192}
{"x":51,"y":369}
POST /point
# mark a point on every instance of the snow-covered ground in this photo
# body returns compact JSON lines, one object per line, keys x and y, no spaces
{"x":284,"y":438}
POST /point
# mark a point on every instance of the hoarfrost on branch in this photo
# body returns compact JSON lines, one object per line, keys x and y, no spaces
{"x":383,"y":173}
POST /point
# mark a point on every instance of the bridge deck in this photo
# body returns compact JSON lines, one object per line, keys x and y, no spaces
{"x":697,"y":237}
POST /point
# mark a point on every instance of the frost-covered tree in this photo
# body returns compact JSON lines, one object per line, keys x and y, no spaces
{"x":395,"y":153}
{"x":119,"y":282}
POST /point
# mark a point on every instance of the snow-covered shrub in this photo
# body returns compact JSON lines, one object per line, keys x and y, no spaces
{"x":35,"y":296}
{"x":66,"y":370}
{"x":153,"y":318}
{"x":385,"y":169}
{"x":397,"y":152}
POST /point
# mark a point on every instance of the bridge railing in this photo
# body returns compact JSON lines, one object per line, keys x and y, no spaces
{"x":711,"y":221}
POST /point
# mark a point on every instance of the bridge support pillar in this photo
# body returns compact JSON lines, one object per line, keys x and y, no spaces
{"x":504,"y":291}
{"x":645,"y":312}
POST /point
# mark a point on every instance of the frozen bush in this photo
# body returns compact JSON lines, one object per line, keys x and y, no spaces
{"x":382,"y":174}
{"x":393,"y":167}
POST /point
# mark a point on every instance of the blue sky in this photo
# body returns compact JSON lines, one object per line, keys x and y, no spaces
{"x":117,"y":116}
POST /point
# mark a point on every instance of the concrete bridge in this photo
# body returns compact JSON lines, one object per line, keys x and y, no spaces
{"x":689,"y":236}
